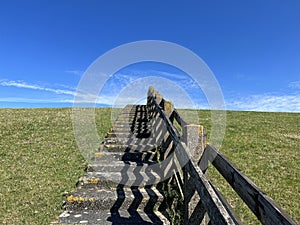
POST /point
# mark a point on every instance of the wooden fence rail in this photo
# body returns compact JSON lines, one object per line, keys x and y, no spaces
{"x":260,"y":204}
{"x":203,"y":203}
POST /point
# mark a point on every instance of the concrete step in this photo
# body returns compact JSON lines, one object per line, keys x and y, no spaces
{"x":133,"y":110}
{"x":122,"y":140}
{"x":128,"y":134}
{"x":129,"y":137}
{"x":127,"y":176}
{"x":113,"y":148}
{"x":135,"y":129}
{"x":142,"y":147}
{"x":106,"y":217}
{"x":110,"y":180}
{"x":118,"y":166}
{"x":136,"y":126}
{"x":133,"y":113}
{"x":129,"y":123}
{"x":147,"y":199}
{"x":126,"y":156}
{"x":128,"y":129}
{"x":128,"y":169}
{"x":132,"y":117}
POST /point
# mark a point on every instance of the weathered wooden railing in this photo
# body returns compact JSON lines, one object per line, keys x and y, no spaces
{"x":200,"y":201}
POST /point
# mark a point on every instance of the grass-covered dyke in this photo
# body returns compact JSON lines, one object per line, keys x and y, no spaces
{"x":39,"y":163}
{"x":265,"y":147}
{"x":40,"y":160}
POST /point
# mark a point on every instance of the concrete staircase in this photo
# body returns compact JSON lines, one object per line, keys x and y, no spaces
{"x":118,"y":187}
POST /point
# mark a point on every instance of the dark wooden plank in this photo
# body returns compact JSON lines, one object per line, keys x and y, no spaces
{"x":185,"y":192}
{"x":214,"y":206}
{"x":197,"y":215}
{"x":218,"y":214}
{"x":172,"y":131}
{"x":190,"y":189}
{"x":178,"y":118}
{"x":227,"y":205}
{"x":261,"y":205}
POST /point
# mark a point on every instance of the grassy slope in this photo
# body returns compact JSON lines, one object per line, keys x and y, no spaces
{"x":40,"y":160}
{"x":265,"y":146}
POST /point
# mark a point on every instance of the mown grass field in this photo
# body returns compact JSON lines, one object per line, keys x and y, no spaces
{"x":40,"y":160}
{"x":265,"y":147}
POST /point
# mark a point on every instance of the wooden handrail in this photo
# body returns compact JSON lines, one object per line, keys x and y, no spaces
{"x":211,"y":199}
{"x":215,"y":208}
{"x":260,"y":204}
{"x":178,"y":118}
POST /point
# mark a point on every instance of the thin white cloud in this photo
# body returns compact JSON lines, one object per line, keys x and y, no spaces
{"x":267,"y":103}
{"x":103,"y":99}
{"x":180,"y":78}
{"x":34,"y":100}
{"x":65,"y":86}
{"x":295,"y":84}
{"x":167,"y":75}
{"x":21,"y":84}
{"x":68,"y":95}
{"x":75,"y":72}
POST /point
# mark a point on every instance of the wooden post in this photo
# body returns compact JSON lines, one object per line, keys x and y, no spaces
{"x":168,"y":108}
{"x":149,"y":95}
{"x":158,"y":98}
{"x":150,"y":103}
{"x":194,"y":138}
{"x":185,"y":193}
{"x":190,"y":138}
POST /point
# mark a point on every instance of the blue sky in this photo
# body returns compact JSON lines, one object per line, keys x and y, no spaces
{"x":252,"y":47}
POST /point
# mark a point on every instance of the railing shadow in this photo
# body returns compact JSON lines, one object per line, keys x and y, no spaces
{"x":141,"y":151}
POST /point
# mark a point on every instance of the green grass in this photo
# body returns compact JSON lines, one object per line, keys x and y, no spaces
{"x":40,"y":160}
{"x":265,"y":146}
